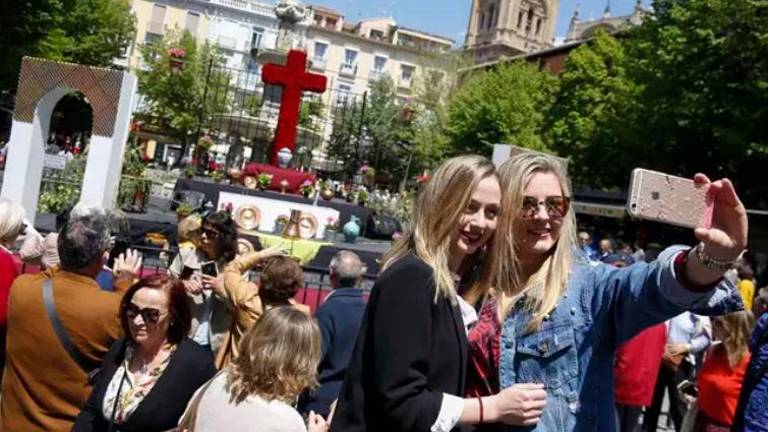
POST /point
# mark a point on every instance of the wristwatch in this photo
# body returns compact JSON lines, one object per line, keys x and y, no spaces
{"x":712,"y":263}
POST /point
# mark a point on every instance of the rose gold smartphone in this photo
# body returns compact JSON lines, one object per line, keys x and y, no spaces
{"x":668,"y":199}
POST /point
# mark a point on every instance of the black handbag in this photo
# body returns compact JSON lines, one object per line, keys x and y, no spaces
{"x":61,"y":333}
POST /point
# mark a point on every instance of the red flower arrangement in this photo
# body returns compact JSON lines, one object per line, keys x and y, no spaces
{"x":177,"y":52}
{"x":423,"y":178}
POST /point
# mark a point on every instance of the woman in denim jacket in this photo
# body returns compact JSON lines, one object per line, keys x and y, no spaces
{"x":559,"y":320}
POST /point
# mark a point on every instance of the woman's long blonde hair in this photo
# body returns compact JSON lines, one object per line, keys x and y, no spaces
{"x":545,"y":287}
{"x":278,"y":357}
{"x":737,"y":327}
{"x":436,"y":214}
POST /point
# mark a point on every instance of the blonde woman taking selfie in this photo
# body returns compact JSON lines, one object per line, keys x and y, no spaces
{"x":559,"y":320}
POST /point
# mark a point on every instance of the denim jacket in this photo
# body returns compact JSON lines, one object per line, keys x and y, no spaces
{"x":572,"y":352}
{"x":755,"y":414}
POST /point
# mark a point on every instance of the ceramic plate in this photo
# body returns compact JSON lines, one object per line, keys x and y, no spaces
{"x":248,"y":216}
{"x":250,"y":182}
{"x":307,"y":225}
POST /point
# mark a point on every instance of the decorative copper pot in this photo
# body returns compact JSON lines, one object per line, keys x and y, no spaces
{"x":327,"y":194}
{"x":284,"y":184}
{"x":291,"y":229}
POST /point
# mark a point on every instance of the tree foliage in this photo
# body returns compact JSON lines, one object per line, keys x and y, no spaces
{"x":592,"y":120}
{"x":371,"y":131}
{"x":685,"y":92}
{"x":504,"y":105}
{"x":703,"y":68}
{"x":91,"y":32}
{"x":183,"y":101}
{"x":428,"y":137}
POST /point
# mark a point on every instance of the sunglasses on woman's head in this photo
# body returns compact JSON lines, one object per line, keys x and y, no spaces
{"x":149,"y":315}
{"x":557,"y":206}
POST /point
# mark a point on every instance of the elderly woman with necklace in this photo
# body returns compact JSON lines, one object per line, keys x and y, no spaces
{"x":147,"y":378}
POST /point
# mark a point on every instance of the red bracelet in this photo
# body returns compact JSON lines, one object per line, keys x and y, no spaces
{"x":480,"y":401}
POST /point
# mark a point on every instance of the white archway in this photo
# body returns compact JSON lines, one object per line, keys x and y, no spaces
{"x":42,"y":84}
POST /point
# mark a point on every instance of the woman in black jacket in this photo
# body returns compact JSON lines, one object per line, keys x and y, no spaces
{"x":147,"y":378}
{"x":410,"y":359}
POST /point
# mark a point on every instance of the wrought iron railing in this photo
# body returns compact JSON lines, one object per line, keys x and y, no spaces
{"x":156,"y":260}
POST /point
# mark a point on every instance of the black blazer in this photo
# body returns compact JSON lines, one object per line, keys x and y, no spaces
{"x":409,"y":352}
{"x":190,"y":367}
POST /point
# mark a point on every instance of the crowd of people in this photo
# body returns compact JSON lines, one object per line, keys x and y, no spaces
{"x":492,"y":312}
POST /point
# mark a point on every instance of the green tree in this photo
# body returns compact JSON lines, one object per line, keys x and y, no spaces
{"x":703,"y":67}
{"x":183,"y":101}
{"x":91,"y":32}
{"x":504,"y":105}
{"x":385,"y":128}
{"x":345,"y":144}
{"x":428,"y":136}
{"x":373,"y":131}
{"x":592,"y":122}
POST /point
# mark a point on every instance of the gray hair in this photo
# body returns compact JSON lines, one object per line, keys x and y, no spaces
{"x":84,"y":238}
{"x":11,"y":220}
{"x":118,"y":223}
{"x":347,"y":267}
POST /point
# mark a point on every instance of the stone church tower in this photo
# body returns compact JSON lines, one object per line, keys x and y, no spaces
{"x":510,"y":27}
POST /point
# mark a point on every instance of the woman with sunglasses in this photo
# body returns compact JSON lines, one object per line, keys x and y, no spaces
{"x":558,"y":321}
{"x":201,"y":272}
{"x":147,"y":378}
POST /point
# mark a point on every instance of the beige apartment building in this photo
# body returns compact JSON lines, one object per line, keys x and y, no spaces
{"x":155,"y":19}
{"x":353,"y":56}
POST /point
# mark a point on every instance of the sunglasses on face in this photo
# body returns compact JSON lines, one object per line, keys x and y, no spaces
{"x":209,"y":232}
{"x":149,"y":315}
{"x":557,"y":206}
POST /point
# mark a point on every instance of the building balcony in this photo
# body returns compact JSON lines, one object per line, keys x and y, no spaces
{"x":348,"y":69}
{"x":227,"y":42}
{"x":318,"y":63}
{"x":376,"y":75}
{"x":237,"y":4}
{"x":245,"y":5}
{"x":405,"y":83}
{"x":157,"y":28}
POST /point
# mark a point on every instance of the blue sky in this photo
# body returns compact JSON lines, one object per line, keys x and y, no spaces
{"x":449,"y":17}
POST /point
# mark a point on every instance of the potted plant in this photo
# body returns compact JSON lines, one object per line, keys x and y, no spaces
{"x":227,"y":207}
{"x":183,"y":210}
{"x":349,"y":194}
{"x":326,"y":191}
{"x":369,"y":177}
{"x":307,"y":188}
{"x":189,"y":171}
{"x":280,"y":223}
{"x":218,"y":176}
{"x":176,"y":57}
{"x":362,"y":197}
{"x":264,"y":180}
{"x":331,"y":229}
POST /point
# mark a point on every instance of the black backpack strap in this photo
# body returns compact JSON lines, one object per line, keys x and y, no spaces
{"x":66,"y":342}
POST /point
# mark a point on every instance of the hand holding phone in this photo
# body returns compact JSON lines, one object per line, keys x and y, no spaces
{"x":209,"y":269}
{"x":668,"y":199}
{"x":713,"y":209}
